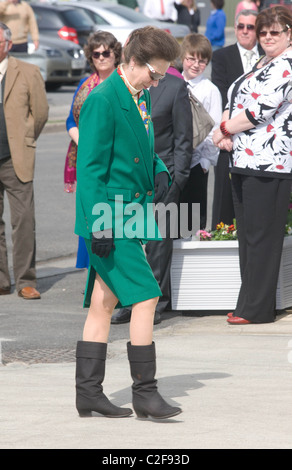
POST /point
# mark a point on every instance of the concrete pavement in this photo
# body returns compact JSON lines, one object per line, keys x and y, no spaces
{"x":233,"y":383}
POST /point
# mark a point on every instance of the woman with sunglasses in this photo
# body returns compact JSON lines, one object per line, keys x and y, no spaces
{"x":257,"y":126}
{"x":103,"y":52}
{"x":118,"y":175}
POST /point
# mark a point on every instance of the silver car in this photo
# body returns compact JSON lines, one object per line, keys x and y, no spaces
{"x":60,"y":62}
{"x":121,"y":20}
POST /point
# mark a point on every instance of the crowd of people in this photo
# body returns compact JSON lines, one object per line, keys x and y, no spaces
{"x":130,"y":125}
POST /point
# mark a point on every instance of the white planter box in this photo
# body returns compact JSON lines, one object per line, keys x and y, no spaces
{"x":205,"y":275}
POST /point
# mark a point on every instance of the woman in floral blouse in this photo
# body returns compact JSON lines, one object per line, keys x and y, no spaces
{"x":258,"y":128}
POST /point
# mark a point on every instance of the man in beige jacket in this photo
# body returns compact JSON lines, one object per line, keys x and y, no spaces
{"x":23,"y":114}
{"x":20,"y":19}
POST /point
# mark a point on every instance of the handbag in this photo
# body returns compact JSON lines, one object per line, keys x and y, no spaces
{"x":202,"y":121}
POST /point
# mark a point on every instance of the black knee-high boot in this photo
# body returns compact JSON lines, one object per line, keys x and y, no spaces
{"x":147,"y":401}
{"x":90,"y":370}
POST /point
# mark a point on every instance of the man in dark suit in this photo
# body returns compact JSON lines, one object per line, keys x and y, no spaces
{"x":228,"y":64}
{"x":172,"y":120}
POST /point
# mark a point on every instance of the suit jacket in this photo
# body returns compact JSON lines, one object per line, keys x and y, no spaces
{"x":26,"y":112}
{"x":226,"y":68}
{"x":115,"y":159}
{"x":173,"y":130}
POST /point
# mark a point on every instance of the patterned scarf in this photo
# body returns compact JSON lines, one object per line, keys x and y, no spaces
{"x":70,"y":163}
{"x":139,"y":99}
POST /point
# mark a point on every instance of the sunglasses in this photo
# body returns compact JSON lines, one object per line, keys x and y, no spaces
{"x":153,"y":74}
{"x":105,"y":54}
{"x":274,"y":34}
{"x":249,"y":27}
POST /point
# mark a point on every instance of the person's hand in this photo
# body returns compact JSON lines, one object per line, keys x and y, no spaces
{"x":217,"y":136}
{"x":226,"y":144}
{"x":161,"y":186}
{"x":102,"y":243}
{"x":221,"y":141}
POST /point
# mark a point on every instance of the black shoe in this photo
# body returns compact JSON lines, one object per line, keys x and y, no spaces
{"x":157,"y":318}
{"x":122,"y":316}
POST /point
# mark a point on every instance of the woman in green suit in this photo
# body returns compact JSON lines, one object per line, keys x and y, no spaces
{"x":118,"y":177}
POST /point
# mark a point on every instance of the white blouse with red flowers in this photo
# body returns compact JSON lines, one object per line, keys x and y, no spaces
{"x":266,"y":96}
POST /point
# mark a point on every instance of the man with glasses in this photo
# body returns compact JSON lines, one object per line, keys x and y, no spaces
{"x":23,"y":114}
{"x":228,"y":64}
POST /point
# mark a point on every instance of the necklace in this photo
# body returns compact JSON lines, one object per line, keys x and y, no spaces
{"x":266,"y":60}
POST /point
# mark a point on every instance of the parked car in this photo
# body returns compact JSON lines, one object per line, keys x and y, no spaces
{"x":60,"y":62}
{"x":121,"y":20}
{"x":63,"y":21}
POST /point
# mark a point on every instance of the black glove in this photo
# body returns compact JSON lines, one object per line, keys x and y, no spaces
{"x":161,"y":186}
{"x":102,"y":245}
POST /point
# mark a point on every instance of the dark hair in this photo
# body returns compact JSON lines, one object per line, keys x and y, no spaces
{"x":270,"y":16}
{"x":105,"y":39}
{"x":195,"y":43}
{"x":6,"y":31}
{"x":148,"y":43}
{"x":218,"y":4}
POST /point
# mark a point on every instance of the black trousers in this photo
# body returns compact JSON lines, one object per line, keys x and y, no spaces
{"x":261,"y":208}
{"x":223,"y":210}
{"x":19,"y":47}
{"x":196,"y":191}
{"x":159,"y":254}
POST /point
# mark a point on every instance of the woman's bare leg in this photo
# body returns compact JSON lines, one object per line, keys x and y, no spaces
{"x":103,"y":302}
{"x":141,"y":324}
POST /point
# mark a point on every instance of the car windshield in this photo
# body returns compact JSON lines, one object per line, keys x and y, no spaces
{"x":77,"y":19}
{"x":97,"y":19}
{"x":132,"y":16}
{"x":50,"y":19}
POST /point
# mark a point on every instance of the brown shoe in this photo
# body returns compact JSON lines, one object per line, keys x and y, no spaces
{"x":29,"y":293}
{"x":5,"y":291}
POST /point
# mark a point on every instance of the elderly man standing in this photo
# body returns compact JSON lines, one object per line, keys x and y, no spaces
{"x":228,"y":63}
{"x":23,"y":114}
{"x":19,"y":17}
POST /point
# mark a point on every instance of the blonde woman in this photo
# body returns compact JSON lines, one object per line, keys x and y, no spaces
{"x":188,"y":14}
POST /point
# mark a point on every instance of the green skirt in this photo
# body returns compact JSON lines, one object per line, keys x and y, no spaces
{"x":126,"y":272}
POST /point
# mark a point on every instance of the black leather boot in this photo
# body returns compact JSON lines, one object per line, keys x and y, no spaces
{"x":147,"y":401}
{"x":90,"y":369}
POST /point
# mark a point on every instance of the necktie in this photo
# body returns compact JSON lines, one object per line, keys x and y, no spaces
{"x":248,"y":56}
{"x":162,"y":7}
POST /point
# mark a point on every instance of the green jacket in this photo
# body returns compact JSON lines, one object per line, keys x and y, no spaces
{"x":115,"y":160}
